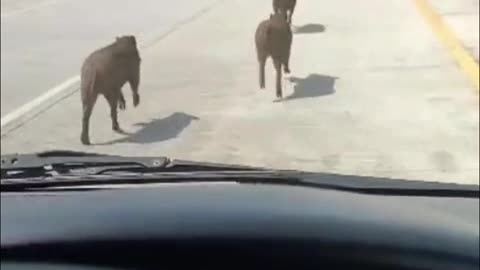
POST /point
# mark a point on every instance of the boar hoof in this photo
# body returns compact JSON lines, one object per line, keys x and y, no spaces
{"x":117,"y":128}
{"x":122,"y":106}
{"x":85,"y":140}
{"x":136,"y":100}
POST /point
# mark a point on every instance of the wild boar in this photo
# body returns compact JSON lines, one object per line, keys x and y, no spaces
{"x":104,"y":72}
{"x":273,"y":38}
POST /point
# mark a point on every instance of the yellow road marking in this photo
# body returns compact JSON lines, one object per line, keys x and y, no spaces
{"x":447,"y":37}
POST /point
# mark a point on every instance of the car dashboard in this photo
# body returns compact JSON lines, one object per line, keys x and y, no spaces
{"x":229,"y":225}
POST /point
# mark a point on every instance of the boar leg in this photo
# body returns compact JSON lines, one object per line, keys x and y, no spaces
{"x":88,"y":102}
{"x":134,"y":81}
{"x":286,"y":62}
{"x":261,"y":69}
{"x":122,"y":105}
{"x":112,"y":98}
{"x":278,"y":68}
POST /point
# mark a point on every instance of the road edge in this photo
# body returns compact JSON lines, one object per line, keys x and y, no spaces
{"x":449,"y":40}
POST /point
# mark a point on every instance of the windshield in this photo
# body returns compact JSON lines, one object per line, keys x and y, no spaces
{"x":370,"y":88}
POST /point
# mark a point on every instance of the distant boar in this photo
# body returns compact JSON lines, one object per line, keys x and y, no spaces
{"x":287,"y":5}
{"x":274,"y":38}
{"x":104,"y":72}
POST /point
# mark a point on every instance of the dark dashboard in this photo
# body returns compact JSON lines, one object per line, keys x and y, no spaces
{"x":228,"y":225}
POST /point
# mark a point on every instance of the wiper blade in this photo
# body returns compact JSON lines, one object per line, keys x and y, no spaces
{"x":60,"y":162}
{"x":65,"y":169}
{"x":70,"y":163}
{"x":23,"y":161}
{"x":68,"y":168}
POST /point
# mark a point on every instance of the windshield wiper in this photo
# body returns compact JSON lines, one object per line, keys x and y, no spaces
{"x":63,"y":162}
{"x":63,"y":169}
{"x":68,"y":168}
{"x":55,"y":163}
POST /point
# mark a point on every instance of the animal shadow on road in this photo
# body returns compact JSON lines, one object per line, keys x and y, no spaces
{"x":310,"y":28}
{"x":158,"y":130}
{"x":315,"y":85}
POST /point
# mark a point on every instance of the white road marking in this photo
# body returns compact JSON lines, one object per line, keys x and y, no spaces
{"x":9,"y":14}
{"x":24,"y":109}
{"x":7,"y":119}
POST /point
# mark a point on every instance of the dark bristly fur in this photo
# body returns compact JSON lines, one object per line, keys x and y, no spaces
{"x":104,"y":72}
{"x":273,"y":38}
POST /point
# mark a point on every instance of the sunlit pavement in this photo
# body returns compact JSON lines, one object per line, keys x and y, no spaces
{"x":372,"y":92}
{"x":45,"y":41}
{"x":462,"y":17}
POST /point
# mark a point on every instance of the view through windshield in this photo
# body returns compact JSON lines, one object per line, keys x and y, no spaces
{"x":372,"y":87}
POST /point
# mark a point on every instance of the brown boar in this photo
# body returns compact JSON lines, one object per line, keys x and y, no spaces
{"x":287,"y":5}
{"x":104,"y":72}
{"x":273,"y":38}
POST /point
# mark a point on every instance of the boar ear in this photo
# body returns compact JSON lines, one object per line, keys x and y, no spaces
{"x":117,"y":38}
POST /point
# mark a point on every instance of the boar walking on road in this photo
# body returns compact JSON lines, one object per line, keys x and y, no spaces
{"x":287,"y":5}
{"x":104,"y":72}
{"x":273,"y":38}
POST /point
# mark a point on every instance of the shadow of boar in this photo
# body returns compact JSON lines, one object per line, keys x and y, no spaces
{"x":273,"y":38}
{"x":288,"y":6}
{"x":104,"y":72}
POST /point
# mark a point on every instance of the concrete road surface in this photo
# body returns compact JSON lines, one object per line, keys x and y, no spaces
{"x":45,"y":41}
{"x":372,"y":90}
{"x":462,"y":16}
